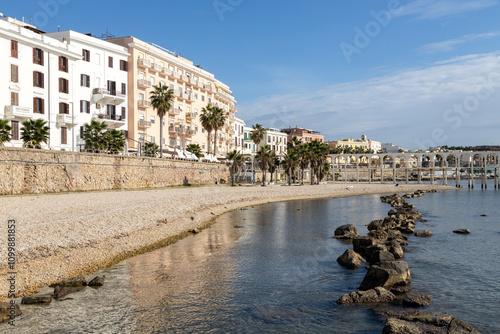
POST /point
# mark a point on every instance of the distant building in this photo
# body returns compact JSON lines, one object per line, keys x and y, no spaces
{"x":276,"y":140}
{"x":391,"y":148}
{"x":364,"y":143}
{"x":485,"y":148}
{"x":304,"y":135}
{"x":239,"y":136}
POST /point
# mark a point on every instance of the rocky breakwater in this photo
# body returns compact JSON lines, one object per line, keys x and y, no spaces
{"x":388,"y":278}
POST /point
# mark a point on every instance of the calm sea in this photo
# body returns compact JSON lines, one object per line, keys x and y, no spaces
{"x":273,"y":269}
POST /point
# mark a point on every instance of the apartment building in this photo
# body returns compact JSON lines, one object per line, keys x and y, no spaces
{"x":304,"y":135}
{"x":239,"y":137}
{"x":276,"y":140}
{"x":98,"y":81}
{"x":194,"y":88}
{"x":36,"y":82}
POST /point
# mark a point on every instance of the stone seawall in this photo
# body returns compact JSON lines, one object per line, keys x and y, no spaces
{"x":30,"y":171}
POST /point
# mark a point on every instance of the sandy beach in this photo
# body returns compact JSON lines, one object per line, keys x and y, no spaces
{"x":62,"y":235}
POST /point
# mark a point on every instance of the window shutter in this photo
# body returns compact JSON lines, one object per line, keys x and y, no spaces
{"x":41,"y":57}
{"x":81,"y":106}
{"x":88,"y":107}
{"x":43,"y":106}
{"x":81,"y":132}
{"x":34,"y":79}
{"x":34,"y":56}
{"x":60,"y":85}
{"x":124,"y":88}
{"x":81,"y":80}
{"x":88,"y":80}
{"x":42,"y":82}
{"x":60,"y":64}
{"x":64,"y":135}
{"x":123,"y":112}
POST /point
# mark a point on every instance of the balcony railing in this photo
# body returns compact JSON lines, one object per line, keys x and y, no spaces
{"x":143,"y":63}
{"x":167,"y":71}
{"x":17,"y":112}
{"x":177,"y":75}
{"x":191,"y":115}
{"x":144,"y":124}
{"x":155,"y":67}
{"x":144,"y":83}
{"x":65,"y":119}
{"x":193,"y":81}
{"x":144,"y":103}
{"x":185,"y":78}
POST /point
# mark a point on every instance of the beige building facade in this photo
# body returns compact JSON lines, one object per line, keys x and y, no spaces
{"x":194,"y":89}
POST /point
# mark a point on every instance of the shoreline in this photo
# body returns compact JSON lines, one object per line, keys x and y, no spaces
{"x":64,"y":235}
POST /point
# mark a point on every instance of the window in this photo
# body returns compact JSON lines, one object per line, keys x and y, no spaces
{"x":172,"y":142}
{"x":110,"y":62}
{"x":152,"y":120}
{"x":63,"y":64}
{"x":124,"y":89}
{"x":85,"y":80}
{"x":15,"y":130}
{"x":141,"y":116}
{"x":82,"y":130}
{"x":203,"y":98}
{"x":112,"y":87}
{"x":14,"y":99}
{"x":37,"y":56}
{"x":64,"y":135}
{"x":153,"y":139}
{"x":86,"y":55}
{"x":123,"y":65}
{"x":209,"y":100}
{"x":63,"y":85}
{"x":141,"y":97}
{"x":14,"y":73}
{"x":152,"y":80}
{"x":84,"y":107}
{"x":111,"y":109}
{"x":162,"y":83}
{"x":124,"y":112}
{"x":202,"y":130}
{"x":14,"y":49}
{"x":63,"y":108}
{"x":172,"y":87}
{"x":38,"y":105}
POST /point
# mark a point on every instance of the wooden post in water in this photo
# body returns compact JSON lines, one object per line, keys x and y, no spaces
{"x":393,"y":173}
{"x":406,"y":174}
{"x":419,"y":176}
{"x":357,"y":170}
{"x":432,"y":175}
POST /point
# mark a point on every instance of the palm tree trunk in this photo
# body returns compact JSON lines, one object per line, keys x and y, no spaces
{"x":289,"y":178}
{"x":215,"y":143}
{"x":208,"y":144}
{"x":264,"y":178}
{"x":161,"y":137}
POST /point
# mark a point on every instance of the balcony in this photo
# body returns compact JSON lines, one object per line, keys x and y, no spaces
{"x":185,"y":78}
{"x":65,"y":120}
{"x":142,"y":124}
{"x":189,"y":132}
{"x":193,"y":81}
{"x":143,"y":83}
{"x":143,"y":104}
{"x":190,"y":115}
{"x":167,"y":71}
{"x":185,"y":96}
{"x":16,"y":112}
{"x":105,"y":96}
{"x":175,"y":129}
{"x":112,"y":121}
{"x":177,"y":75}
{"x":143,"y":63}
{"x":155,"y":67}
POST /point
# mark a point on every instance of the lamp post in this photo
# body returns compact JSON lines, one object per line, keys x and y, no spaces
{"x":72,"y":127}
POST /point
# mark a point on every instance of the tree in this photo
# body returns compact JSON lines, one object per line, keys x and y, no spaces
{"x":218,"y":120}
{"x":206,"y":122}
{"x":195,"y":149}
{"x":264,"y":158}
{"x":95,"y":136}
{"x":34,"y":133}
{"x":289,"y":164}
{"x":257,"y":135}
{"x":273,"y":164}
{"x":5,"y":129}
{"x":237,"y":160}
{"x":304,"y":159}
{"x":150,"y":149}
{"x":161,"y":100}
{"x":115,"y":140}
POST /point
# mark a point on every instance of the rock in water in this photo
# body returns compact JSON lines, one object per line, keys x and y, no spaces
{"x":5,"y":311}
{"x":73,"y":281}
{"x":96,"y":281}
{"x":386,"y":274}
{"x":462,"y":231}
{"x":457,"y":326}
{"x":397,"y":326}
{"x":424,"y":233}
{"x":377,"y":295}
{"x":350,"y":259}
{"x":415,"y":299}
{"x":346,"y":232}
{"x":45,"y":299}
{"x":362,"y":243}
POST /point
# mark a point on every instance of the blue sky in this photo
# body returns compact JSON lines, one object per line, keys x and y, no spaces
{"x":416,"y":73}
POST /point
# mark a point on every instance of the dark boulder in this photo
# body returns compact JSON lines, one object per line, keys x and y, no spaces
{"x":71,"y":282}
{"x":360,"y":244}
{"x":377,"y":295}
{"x":398,"y":326}
{"x":346,"y":232}
{"x":8,"y":311}
{"x":415,"y":299}
{"x":378,"y":234}
{"x":39,"y":299}
{"x":60,"y":292}
{"x":375,"y":225}
{"x":395,"y":248}
{"x":457,"y":326}
{"x":350,"y":259}
{"x":424,"y":233}
{"x":440,"y":319}
{"x":379,"y":256}
{"x":96,"y":281}
{"x":386,"y":274}
{"x":462,"y":231}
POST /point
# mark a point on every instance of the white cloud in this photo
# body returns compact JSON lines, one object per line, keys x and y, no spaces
{"x":434,"y":9}
{"x":404,"y":108}
{"x":450,"y":45}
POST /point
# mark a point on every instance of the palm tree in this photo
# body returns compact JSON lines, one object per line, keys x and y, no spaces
{"x":206,"y":122}
{"x":237,"y":160}
{"x":150,"y":149}
{"x":94,"y":135}
{"x":218,"y":120}
{"x":195,"y":149}
{"x":274,"y":164}
{"x":264,"y":158}
{"x":161,"y":100}
{"x":5,"y":129}
{"x":34,"y":133}
{"x":115,"y":140}
{"x":257,"y":135}
{"x":289,"y":163}
{"x":304,"y":159}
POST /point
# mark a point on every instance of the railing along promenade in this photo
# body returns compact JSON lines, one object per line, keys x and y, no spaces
{"x":406,"y":167}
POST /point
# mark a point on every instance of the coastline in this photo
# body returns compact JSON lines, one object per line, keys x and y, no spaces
{"x":63,"y":235}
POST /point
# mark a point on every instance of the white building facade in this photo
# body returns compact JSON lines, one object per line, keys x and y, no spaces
{"x":36,"y":82}
{"x":239,"y":136}
{"x":99,"y":82}
{"x":276,"y":140}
